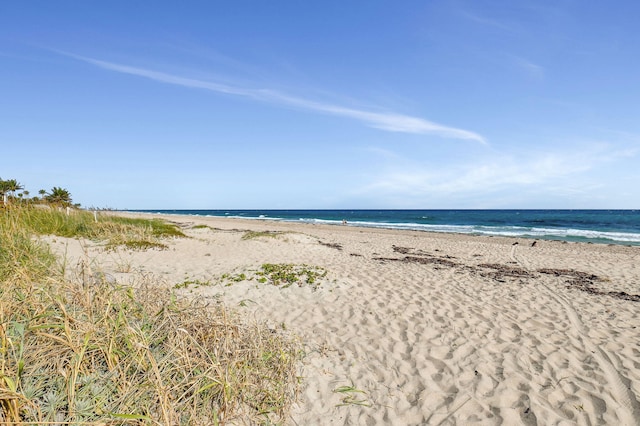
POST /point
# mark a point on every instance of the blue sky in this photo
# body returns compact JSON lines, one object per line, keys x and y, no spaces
{"x":332,"y":104}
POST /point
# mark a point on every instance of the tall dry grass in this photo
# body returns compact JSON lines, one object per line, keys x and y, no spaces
{"x":94,"y":351}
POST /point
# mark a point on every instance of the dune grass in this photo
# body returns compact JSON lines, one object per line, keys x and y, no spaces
{"x":21,"y":258}
{"x":201,"y":226}
{"x":134,"y":233}
{"x":251,"y":235}
{"x":108,"y":353}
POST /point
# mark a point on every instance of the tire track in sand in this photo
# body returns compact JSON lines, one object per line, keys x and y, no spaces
{"x":629,"y":412}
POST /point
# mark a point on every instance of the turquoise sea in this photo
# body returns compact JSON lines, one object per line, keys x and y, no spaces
{"x":596,"y":226}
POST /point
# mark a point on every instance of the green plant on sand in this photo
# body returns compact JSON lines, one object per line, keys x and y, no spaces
{"x":250,"y":235}
{"x":286,"y":274}
{"x":200,"y":226}
{"x":351,"y":396}
{"x":192,"y":282}
{"x":282,"y":275}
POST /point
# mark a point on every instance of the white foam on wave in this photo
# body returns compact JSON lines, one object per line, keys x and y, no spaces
{"x":504,"y":231}
{"x":507,"y":231}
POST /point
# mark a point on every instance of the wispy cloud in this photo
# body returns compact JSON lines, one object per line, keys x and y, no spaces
{"x":488,"y":177}
{"x":533,"y":70}
{"x":554,"y":173}
{"x":482,"y":20}
{"x":388,"y":121}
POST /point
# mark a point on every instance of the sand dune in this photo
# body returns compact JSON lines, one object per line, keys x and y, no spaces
{"x":421,"y":328}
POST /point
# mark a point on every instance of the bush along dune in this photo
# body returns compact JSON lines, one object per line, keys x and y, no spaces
{"x":103,"y":352}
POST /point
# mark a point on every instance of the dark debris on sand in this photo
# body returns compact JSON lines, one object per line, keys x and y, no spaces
{"x":413,"y":255}
{"x":424,"y":260}
{"x":331,"y":245}
{"x":500,"y":272}
{"x":409,"y":251}
{"x":582,"y":281}
{"x":586,"y":282}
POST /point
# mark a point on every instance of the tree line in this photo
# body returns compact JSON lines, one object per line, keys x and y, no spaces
{"x":12,"y":191}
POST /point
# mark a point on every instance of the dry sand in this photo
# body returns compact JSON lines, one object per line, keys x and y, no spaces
{"x":432,"y":328}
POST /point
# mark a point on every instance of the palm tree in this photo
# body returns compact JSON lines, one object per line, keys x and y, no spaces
{"x":7,"y":186}
{"x":59,"y":196}
{"x":4,"y":188}
{"x":14,"y":186}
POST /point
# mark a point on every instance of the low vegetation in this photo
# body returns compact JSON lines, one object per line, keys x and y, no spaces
{"x":350,"y":396}
{"x":192,"y":283}
{"x":282,"y":275}
{"x":101,"y":352}
{"x":250,"y":235}
{"x":200,"y":226}
{"x":134,"y":233}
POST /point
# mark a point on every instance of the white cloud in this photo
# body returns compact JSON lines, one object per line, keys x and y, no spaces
{"x":388,"y":121}
{"x":552,"y":173}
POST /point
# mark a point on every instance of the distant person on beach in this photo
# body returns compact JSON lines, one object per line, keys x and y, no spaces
{"x":344,"y":221}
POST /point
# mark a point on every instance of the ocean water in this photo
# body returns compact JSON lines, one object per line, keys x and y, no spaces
{"x":596,"y":226}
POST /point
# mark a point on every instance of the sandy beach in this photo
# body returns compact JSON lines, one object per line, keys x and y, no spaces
{"x":416,"y":328}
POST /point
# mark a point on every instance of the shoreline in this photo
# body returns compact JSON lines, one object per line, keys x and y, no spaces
{"x":507,"y":231}
{"x":414,"y":327}
{"x":185,"y":218}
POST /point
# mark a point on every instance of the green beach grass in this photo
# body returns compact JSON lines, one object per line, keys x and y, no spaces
{"x":108,"y":353}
